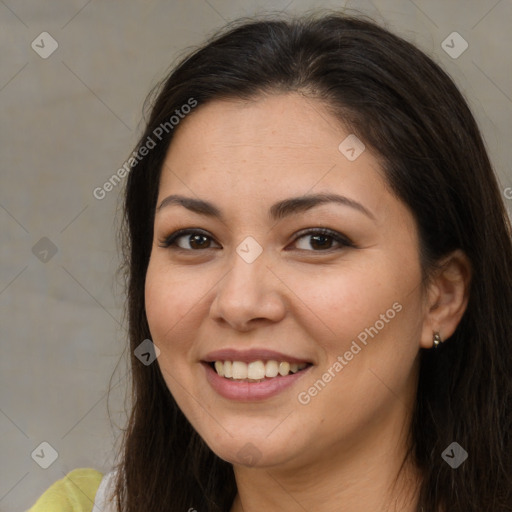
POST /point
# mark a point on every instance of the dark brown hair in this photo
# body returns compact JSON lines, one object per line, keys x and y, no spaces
{"x":408,"y":110}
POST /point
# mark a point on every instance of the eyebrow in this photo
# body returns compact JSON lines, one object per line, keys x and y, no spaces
{"x":277,"y":211}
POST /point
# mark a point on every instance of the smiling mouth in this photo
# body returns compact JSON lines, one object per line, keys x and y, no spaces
{"x":256,"y":371}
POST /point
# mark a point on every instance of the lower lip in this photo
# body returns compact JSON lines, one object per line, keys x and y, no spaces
{"x":251,"y":391}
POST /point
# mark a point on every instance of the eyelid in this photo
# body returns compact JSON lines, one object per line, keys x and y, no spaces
{"x":340,"y":238}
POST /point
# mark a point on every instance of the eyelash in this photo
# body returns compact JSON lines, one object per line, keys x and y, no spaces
{"x":170,"y":241}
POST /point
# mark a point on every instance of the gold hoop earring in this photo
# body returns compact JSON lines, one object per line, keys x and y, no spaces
{"x":437,"y":339}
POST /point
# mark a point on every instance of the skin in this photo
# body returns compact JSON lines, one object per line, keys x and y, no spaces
{"x":346,"y":445}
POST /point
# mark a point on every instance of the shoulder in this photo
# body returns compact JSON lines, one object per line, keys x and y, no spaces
{"x":73,"y":493}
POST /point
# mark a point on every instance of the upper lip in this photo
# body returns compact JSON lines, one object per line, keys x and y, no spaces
{"x":247,"y":356}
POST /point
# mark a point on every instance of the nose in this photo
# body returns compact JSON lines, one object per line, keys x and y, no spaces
{"x":249,"y":294}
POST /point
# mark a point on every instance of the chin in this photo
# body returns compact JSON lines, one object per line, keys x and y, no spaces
{"x":253,"y":451}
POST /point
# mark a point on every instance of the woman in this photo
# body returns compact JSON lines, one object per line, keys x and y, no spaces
{"x":317,"y":246}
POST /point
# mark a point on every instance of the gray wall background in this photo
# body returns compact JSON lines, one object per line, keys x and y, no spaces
{"x":68,"y":123}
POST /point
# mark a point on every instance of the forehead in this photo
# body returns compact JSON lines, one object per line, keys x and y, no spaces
{"x":273,"y":145}
{"x":289,"y":121}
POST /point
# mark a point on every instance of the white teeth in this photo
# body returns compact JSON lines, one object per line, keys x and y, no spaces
{"x":219,"y":368}
{"x":239,"y":370}
{"x":284,"y":368}
{"x":228,"y":369}
{"x":271,"y":369}
{"x":256,"y":370}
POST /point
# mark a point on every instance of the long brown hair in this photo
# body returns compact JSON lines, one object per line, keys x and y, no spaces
{"x":405,"y":107}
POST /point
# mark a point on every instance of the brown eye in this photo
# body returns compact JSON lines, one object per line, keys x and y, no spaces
{"x":196,"y":241}
{"x":187,"y":240}
{"x":320,"y":240}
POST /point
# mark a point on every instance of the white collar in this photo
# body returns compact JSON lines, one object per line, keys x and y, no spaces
{"x":102,"y":501}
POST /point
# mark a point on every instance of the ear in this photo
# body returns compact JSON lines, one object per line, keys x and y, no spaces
{"x":446,"y":297}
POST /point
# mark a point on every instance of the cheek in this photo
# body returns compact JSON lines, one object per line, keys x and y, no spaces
{"x":339,"y":303}
{"x":370,"y":311}
{"x":170,"y":304}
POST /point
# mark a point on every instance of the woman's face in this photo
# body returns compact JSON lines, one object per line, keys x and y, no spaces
{"x":257,"y":283}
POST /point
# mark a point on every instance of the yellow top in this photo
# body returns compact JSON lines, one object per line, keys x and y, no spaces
{"x":73,"y":493}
